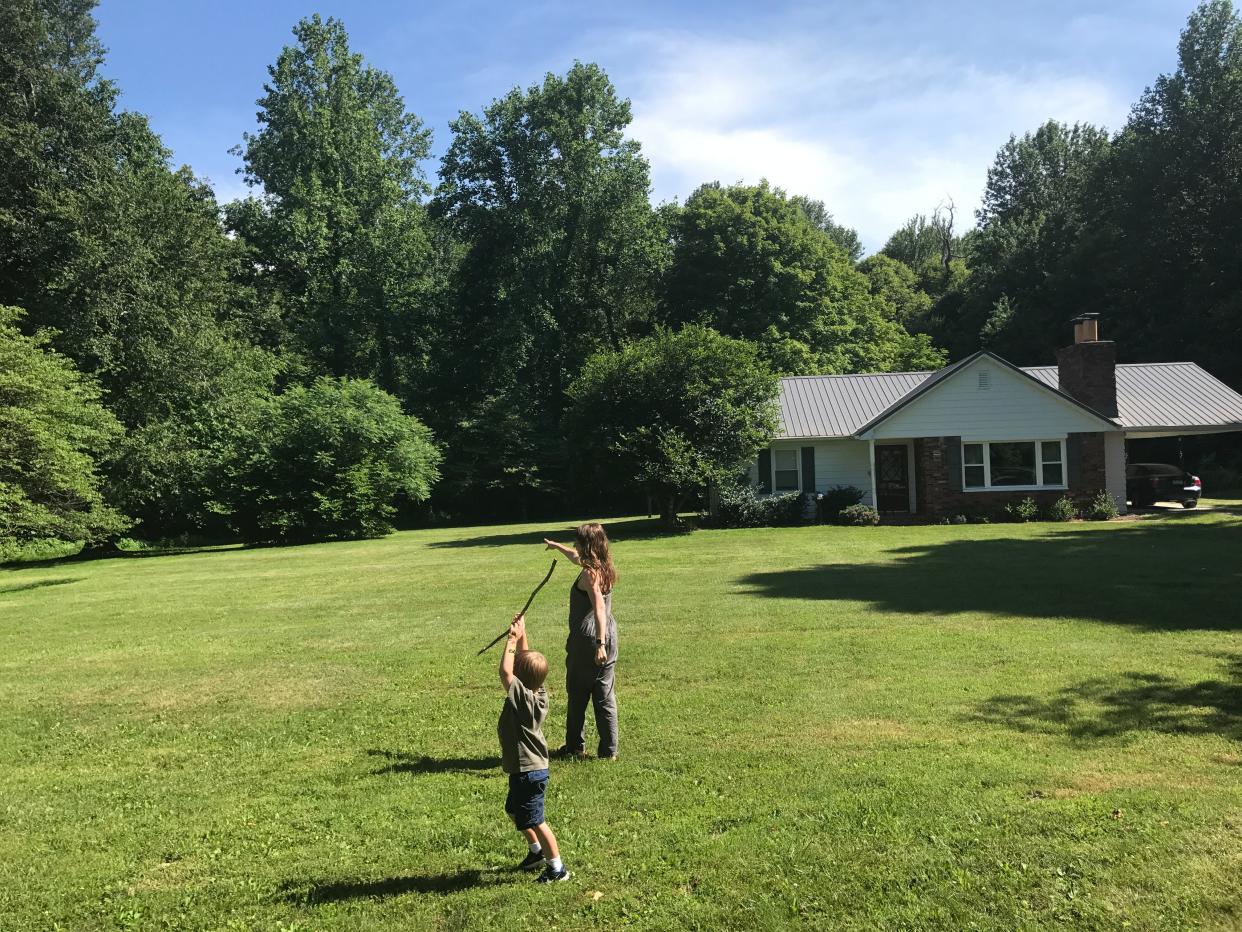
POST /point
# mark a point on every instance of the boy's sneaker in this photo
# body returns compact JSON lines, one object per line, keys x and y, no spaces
{"x":531,"y":861}
{"x":550,"y":876}
{"x":564,"y":751}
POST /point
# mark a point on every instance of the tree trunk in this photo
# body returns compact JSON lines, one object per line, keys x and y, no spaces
{"x":669,"y":512}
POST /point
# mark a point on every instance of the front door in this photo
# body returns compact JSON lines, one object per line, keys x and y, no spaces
{"x":892,"y":477}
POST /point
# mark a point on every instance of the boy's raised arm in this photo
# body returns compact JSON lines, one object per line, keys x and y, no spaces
{"x":517,"y":635}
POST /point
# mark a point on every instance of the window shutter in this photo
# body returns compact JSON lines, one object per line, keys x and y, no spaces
{"x":953,"y":462}
{"x":1073,"y":462}
{"x":765,"y":469}
{"x":808,"y":469}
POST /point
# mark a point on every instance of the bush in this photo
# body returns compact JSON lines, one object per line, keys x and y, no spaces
{"x":838,"y":497}
{"x":1063,"y":509}
{"x":859,"y":515}
{"x":329,"y":461}
{"x":1023,"y":511}
{"x":959,"y":519}
{"x":1100,"y":507}
{"x":743,"y":506}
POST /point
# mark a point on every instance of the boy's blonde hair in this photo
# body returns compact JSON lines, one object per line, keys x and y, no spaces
{"x":531,"y":667}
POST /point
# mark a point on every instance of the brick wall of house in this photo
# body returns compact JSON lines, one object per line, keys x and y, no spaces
{"x":938,"y":499}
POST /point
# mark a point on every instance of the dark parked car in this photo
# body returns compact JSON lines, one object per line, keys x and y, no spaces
{"x":1147,"y":483}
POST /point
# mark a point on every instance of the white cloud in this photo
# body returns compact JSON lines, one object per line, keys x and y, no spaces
{"x":876,"y":137}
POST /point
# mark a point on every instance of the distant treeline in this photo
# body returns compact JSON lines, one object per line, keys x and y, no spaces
{"x":352,"y":340}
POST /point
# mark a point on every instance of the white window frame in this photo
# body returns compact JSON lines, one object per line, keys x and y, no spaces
{"x":1039,"y":467}
{"x":797,"y":451}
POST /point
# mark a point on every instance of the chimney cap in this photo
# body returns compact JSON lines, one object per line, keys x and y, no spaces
{"x":1089,"y":315}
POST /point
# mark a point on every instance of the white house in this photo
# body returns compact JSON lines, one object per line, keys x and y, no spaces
{"x":982,"y":432}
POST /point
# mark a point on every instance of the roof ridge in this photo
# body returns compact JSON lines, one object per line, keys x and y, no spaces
{"x":859,"y":375}
{"x":1123,"y":365}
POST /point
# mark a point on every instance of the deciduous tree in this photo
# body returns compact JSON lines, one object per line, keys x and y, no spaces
{"x":672,"y":412}
{"x":53,"y":430}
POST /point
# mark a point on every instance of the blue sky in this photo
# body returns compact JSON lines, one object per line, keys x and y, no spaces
{"x":880,"y":109}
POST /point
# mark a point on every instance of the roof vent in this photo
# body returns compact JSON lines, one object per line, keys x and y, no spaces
{"x":985,"y":379}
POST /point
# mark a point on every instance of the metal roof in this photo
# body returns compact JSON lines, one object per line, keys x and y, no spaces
{"x":1164,"y":395}
{"x":837,"y":405}
{"x":1150,"y":396}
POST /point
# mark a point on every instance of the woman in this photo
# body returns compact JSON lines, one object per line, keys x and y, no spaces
{"x":591,"y":650}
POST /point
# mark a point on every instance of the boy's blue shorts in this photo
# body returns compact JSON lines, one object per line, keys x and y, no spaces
{"x":525,"y":800}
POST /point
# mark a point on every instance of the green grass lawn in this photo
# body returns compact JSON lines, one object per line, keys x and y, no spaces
{"x":998,"y":727}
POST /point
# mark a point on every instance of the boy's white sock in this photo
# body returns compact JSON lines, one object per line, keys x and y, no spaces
{"x":555,"y":865}
{"x":535,"y":847}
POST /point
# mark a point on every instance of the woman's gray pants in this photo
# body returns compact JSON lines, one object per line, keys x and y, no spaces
{"x":595,"y":685}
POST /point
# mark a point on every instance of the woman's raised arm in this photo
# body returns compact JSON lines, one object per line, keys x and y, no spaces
{"x":569,"y":552}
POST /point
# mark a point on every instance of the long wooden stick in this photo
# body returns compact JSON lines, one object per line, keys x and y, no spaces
{"x":503,"y":633}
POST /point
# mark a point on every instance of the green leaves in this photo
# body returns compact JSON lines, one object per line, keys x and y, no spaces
{"x":52,"y":429}
{"x":329,"y":460}
{"x":672,"y":412}
{"x":758,"y":265}
{"x":561,"y":258}
{"x":339,"y":234}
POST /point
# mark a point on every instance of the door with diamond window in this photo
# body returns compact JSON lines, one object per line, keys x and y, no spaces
{"x":892,"y":477}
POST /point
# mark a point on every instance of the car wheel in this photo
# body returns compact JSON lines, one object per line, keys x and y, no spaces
{"x":1191,"y":503}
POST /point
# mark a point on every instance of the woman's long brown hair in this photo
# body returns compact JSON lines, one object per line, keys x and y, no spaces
{"x":594,"y":555}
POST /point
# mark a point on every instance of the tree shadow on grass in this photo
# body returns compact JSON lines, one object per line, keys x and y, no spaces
{"x":316,"y":893}
{"x":1133,"y":702}
{"x":401,"y":762}
{"x":618,"y":532}
{"x":1153,"y":576}
{"x":40,"y":584}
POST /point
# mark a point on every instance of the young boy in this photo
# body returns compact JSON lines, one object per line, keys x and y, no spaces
{"x":524,"y":752}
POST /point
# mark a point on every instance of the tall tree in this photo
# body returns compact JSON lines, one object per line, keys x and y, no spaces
{"x":562,"y":252}
{"x":52,"y":432}
{"x":1034,"y":213}
{"x":1164,"y":256}
{"x":125,"y":260}
{"x":748,"y":262}
{"x":337,"y":230}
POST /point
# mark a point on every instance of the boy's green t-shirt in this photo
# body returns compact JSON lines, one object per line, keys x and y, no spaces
{"x":522,"y":745}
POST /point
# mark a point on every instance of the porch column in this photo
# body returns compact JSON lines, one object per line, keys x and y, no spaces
{"x":875,"y":502}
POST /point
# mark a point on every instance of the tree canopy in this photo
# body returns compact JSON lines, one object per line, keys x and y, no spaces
{"x":534,"y":310}
{"x":672,"y":412}
{"x":53,"y":430}
{"x":748,"y":261}
{"x":562,"y":253}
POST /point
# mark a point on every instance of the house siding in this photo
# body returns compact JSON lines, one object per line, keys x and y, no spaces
{"x":843,"y":462}
{"x":837,"y":462}
{"x":1012,"y":407}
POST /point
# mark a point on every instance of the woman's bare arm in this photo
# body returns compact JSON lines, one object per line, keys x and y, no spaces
{"x":569,"y":552}
{"x":601,"y":620}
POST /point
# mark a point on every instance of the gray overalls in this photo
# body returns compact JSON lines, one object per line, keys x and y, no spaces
{"x":585,"y":682}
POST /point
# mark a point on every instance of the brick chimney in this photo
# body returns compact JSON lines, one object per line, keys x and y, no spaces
{"x":1087,"y":369}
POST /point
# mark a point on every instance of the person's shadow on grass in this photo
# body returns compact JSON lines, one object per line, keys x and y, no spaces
{"x":401,"y":762}
{"x":319,"y":892}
